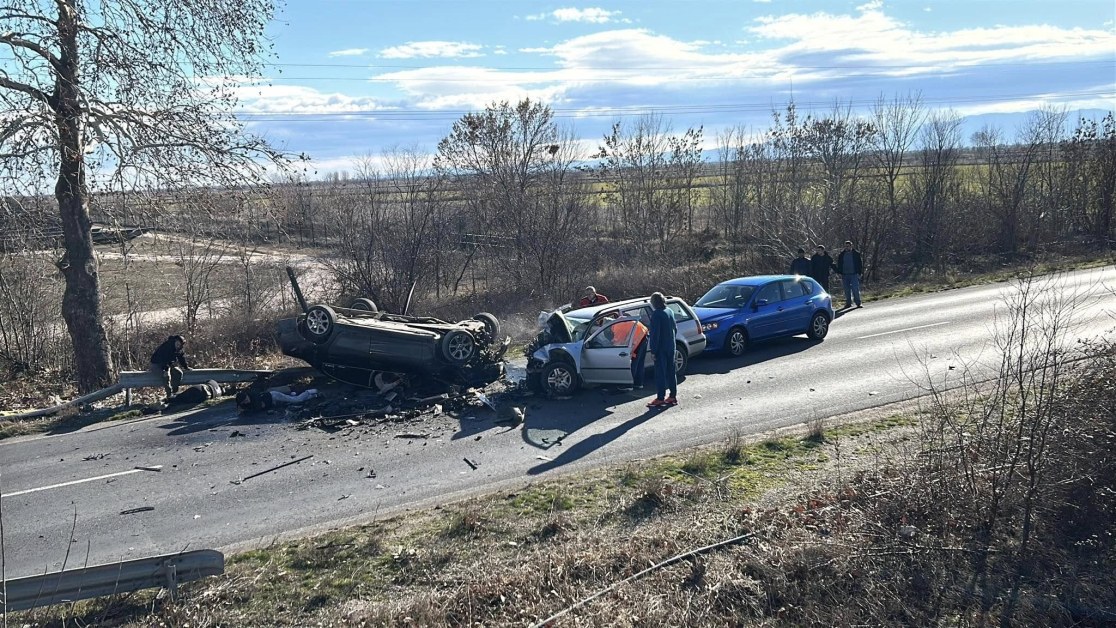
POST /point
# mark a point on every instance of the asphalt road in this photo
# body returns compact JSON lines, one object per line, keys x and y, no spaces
{"x":170,"y":483}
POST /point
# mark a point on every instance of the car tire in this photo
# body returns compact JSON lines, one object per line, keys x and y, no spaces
{"x":458,"y":346}
{"x":492,"y":326}
{"x":681,"y":360}
{"x":819,"y":327}
{"x":559,"y":379}
{"x":320,"y":322}
{"x":366,"y":305}
{"x":736,"y":343}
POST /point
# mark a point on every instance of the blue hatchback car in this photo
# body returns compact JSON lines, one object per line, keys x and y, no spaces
{"x":741,"y":310}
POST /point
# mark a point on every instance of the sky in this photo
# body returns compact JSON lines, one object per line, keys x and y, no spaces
{"x":352,"y":79}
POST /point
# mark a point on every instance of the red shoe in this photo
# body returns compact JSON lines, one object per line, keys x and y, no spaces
{"x":671,"y":401}
{"x":658,"y":403}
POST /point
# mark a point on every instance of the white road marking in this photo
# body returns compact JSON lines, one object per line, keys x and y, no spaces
{"x":899,"y":331}
{"x":72,"y":482}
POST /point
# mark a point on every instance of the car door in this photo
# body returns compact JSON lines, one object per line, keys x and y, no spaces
{"x":796,"y":306}
{"x":606,"y":354}
{"x":767,"y":315}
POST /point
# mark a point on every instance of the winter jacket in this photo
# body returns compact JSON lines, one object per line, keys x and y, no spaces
{"x":599,"y":299}
{"x":820,"y":265}
{"x":167,"y":354}
{"x":800,"y":266}
{"x":663,"y":332}
{"x":857,"y":261}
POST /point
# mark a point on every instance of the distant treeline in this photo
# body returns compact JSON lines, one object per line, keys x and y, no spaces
{"x":512,"y":195}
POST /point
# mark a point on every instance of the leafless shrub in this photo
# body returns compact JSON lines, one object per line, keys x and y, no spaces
{"x":31,"y":332}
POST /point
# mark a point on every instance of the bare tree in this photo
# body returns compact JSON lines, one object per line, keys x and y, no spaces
{"x":139,"y":88}
{"x":897,"y":123}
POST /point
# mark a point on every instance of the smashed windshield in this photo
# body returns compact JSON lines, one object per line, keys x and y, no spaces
{"x":578,"y":327}
{"x":726,"y":295}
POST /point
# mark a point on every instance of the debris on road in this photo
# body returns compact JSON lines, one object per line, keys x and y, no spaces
{"x":95,"y":457}
{"x":157,"y":468}
{"x":135,"y":510}
{"x":472,"y":465}
{"x":412,"y":435}
{"x":276,"y":468}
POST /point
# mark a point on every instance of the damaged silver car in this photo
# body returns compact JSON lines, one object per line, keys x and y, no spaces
{"x":594,"y":345}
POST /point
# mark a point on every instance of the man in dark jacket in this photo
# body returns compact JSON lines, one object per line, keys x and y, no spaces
{"x":851,"y":266}
{"x":163,"y":363}
{"x":196,"y":394}
{"x":660,"y":342}
{"x":820,"y":266}
{"x":801,"y":264}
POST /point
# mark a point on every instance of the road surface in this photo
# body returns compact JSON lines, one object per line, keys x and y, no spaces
{"x":156,"y":485}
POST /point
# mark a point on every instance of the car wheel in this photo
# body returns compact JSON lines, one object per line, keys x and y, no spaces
{"x":737,"y":342}
{"x":491,"y":325}
{"x":458,"y":346}
{"x":320,"y":321}
{"x":366,"y":305}
{"x":681,"y":360}
{"x":819,"y":326}
{"x":559,"y":379}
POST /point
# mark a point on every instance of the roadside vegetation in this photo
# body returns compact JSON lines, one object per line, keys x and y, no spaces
{"x":990,"y":503}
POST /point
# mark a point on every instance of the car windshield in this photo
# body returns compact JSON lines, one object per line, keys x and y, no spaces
{"x":580,"y":327}
{"x":727,"y":296}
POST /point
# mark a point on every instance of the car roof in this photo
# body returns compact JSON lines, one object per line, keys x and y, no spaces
{"x":593,"y":310}
{"x":758,"y":280}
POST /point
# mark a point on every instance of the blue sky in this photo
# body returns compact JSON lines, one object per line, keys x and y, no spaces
{"x":354,"y":78}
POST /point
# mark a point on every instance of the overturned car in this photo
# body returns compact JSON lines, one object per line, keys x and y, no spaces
{"x":356,"y":343}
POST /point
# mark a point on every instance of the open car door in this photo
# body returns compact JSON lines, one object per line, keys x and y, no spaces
{"x":606,"y":356}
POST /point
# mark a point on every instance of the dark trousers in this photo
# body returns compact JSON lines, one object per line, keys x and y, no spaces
{"x":665,"y":377}
{"x":639,"y":365}
{"x":169,"y":375}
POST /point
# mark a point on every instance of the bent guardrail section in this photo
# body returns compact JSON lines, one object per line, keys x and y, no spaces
{"x":124,"y":577}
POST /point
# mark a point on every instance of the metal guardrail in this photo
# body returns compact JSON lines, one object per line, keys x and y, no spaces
{"x":124,"y":577}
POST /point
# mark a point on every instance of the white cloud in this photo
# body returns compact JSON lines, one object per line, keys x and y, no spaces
{"x":592,"y":15}
{"x":349,"y":52}
{"x":433,"y":49}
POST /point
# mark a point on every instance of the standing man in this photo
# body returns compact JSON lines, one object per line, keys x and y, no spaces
{"x":801,"y":264}
{"x":592,"y":297}
{"x":163,"y":363}
{"x":850,"y":265}
{"x":661,"y":339}
{"x":820,"y":266}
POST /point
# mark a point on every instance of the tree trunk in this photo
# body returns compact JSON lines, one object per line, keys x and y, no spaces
{"x":81,"y":302}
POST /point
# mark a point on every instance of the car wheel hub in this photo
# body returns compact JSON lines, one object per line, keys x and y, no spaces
{"x":461,"y":348}
{"x":678,"y":360}
{"x":821,"y":326}
{"x":317,"y":323}
{"x":736,"y":343}
{"x":559,"y":380}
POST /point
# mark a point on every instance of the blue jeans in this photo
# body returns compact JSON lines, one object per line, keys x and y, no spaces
{"x":852,"y":289}
{"x":639,"y":365}
{"x":665,"y":377}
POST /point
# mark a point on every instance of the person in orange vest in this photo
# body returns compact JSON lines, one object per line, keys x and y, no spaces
{"x":639,"y":355}
{"x":635,"y":333}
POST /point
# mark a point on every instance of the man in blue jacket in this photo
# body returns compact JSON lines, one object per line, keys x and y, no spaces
{"x":660,"y":342}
